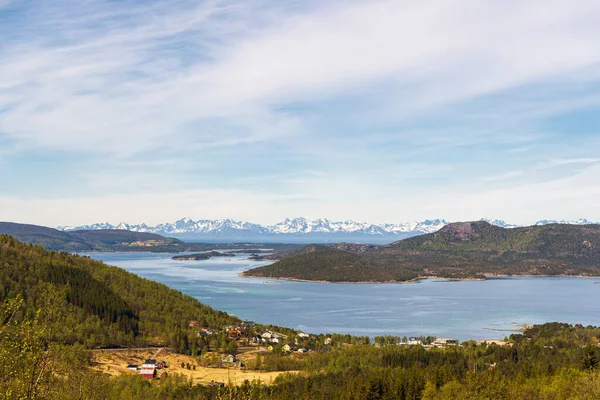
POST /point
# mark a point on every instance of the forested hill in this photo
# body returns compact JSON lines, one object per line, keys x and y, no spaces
{"x":107,"y":306}
{"x":333,"y":266}
{"x":458,"y":250}
{"x":580,"y":242}
{"x":97,"y":240}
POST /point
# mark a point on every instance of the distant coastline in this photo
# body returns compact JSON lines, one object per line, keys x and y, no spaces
{"x":417,"y":279}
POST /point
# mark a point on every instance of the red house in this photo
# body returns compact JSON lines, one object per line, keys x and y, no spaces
{"x":149,"y":373}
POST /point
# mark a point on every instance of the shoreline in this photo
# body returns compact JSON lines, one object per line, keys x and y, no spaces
{"x":242,"y":274}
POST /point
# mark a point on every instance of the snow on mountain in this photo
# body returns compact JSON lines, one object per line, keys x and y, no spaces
{"x":295,"y":226}
{"x":500,"y":223}
{"x":580,"y":221}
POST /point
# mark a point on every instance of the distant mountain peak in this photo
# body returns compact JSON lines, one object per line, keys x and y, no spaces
{"x":580,"y":221}
{"x":299,"y":227}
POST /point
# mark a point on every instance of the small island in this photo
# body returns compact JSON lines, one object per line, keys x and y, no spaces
{"x":202,"y":256}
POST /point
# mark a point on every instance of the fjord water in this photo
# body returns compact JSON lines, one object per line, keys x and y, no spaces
{"x":458,"y":309}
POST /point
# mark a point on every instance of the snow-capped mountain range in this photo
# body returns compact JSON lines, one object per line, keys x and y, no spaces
{"x":297,"y":229}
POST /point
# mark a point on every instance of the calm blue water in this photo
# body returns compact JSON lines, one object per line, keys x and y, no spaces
{"x":463,"y":310}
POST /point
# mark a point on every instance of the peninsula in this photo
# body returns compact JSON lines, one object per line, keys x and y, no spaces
{"x":464,"y":250}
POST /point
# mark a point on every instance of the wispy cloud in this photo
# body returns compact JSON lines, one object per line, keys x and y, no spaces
{"x":194,"y":95}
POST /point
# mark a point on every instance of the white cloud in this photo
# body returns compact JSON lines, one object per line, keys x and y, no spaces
{"x":178,"y":80}
{"x":140,"y":94}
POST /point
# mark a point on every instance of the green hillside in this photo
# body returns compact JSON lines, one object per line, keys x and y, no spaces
{"x":333,"y":266}
{"x":96,"y":240}
{"x":555,"y":240}
{"x":107,"y":306}
{"x":458,"y":251}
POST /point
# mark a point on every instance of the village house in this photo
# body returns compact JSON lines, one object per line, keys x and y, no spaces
{"x":413,"y":341}
{"x":444,"y":342}
{"x":328,"y":341}
{"x":149,"y":363}
{"x":258,"y":339}
{"x":215,"y":384}
{"x":229,"y":358}
{"x":303,"y":335}
{"x":302,"y":350}
{"x":267,"y":335}
{"x":148,"y":372}
{"x":289,"y":347}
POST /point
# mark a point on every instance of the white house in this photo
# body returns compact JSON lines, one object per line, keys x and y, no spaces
{"x":444,"y":341}
{"x":229,"y":358}
{"x":149,"y":363}
{"x":267,"y":335}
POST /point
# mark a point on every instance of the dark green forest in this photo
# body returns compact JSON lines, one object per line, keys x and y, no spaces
{"x":107,"y":306}
{"x":335,"y":266}
{"x":55,"y":306}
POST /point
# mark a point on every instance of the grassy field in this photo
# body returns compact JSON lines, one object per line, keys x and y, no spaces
{"x":115,"y":362}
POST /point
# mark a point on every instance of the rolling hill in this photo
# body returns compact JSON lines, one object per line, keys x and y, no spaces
{"x":119,"y":240}
{"x":106,"y":306}
{"x":93,"y":240}
{"x":459,"y":250}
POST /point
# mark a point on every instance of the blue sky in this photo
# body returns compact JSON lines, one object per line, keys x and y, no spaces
{"x":379,"y":111}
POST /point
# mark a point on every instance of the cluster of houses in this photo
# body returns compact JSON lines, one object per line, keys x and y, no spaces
{"x":148,"y":368}
{"x":441,"y":342}
{"x":438,"y":342}
{"x":272,"y":338}
{"x":268,"y":337}
{"x":235,"y":332}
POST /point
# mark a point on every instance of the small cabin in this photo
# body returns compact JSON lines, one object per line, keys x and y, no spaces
{"x":289,"y":347}
{"x":149,"y":363}
{"x":148,"y":373}
{"x":132,"y":367}
{"x":267,"y":335}
{"x":258,"y":339}
{"x":229,"y":358}
{"x":216,"y":384}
